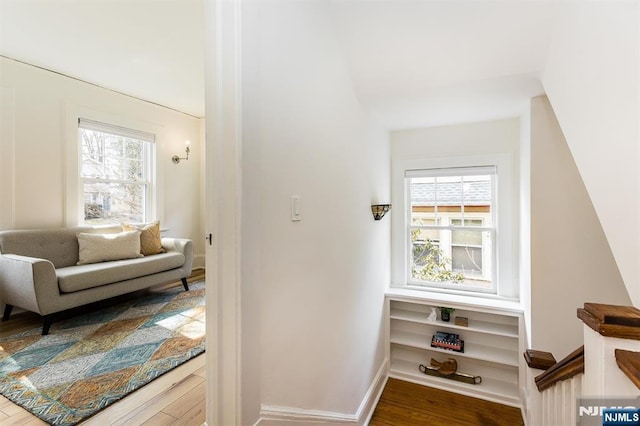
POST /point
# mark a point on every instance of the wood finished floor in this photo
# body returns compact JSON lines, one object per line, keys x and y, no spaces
{"x":176,"y":398}
{"x":408,"y":404}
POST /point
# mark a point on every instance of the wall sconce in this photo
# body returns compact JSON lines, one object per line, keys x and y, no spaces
{"x":177,"y":159}
{"x":379,"y":210}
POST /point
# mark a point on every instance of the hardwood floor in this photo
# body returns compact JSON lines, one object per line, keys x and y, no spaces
{"x":176,"y":398}
{"x":408,"y":404}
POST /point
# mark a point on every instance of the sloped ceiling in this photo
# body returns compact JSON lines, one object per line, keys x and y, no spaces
{"x":414,"y":63}
{"x":422,"y":63}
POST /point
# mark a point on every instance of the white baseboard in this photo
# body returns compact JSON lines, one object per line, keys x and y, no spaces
{"x":274,"y":415}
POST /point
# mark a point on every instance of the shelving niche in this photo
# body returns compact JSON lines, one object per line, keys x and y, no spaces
{"x":492,"y":347}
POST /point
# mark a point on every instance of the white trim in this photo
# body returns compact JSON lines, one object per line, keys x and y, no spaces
{"x":273,"y":413}
{"x":505,"y":237}
{"x":72,"y":186}
{"x":371,"y":398}
{"x":223,"y":150}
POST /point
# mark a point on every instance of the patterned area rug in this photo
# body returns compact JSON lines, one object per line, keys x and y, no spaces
{"x":93,"y":360}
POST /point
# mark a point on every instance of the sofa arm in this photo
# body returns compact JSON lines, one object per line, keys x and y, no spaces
{"x":28,"y":282}
{"x":181,"y":245}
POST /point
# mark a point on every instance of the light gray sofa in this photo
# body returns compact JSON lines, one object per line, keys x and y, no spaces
{"x":38,"y":271}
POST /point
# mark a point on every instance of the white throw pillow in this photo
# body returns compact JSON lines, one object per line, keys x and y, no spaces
{"x":96,"y":248}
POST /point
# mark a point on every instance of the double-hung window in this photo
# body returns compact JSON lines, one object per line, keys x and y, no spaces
{"x":115,"y":173}
{"x":451,"y":232}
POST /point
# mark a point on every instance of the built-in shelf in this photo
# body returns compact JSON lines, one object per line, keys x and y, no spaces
{"x":490,"y":389}
{"x":492,"y":346}
{"x":478,"y":325}
{"x":476,"y":351}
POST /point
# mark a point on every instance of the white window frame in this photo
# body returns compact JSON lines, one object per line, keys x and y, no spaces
{"x":73,"y":190}
{"x":148,"y":140}
{"x":504,"y":268}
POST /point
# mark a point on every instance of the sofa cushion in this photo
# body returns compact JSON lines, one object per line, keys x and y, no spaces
{"x":150,"y":241}
{"x":57,"y":245}
{"x":82,"y":277}
{"x":93,"y":248}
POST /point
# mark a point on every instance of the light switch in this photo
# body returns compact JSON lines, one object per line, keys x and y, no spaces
{"x":296,"y":214}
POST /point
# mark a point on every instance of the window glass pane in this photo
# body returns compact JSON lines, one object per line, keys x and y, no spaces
{"x":467,"y":260}
{"x":134,"y":169}
{"x":113,"y":168}
{"x":476,"y":192}
{"x":466,"y":237}
{"x":113,"y":202}
{"x":449,"y":193}
{"x":423,"y":199}
{"x":114,"y":146}
{"x":428,"y":262}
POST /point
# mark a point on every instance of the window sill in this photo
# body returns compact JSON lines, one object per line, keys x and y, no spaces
{"x":462,"y":300}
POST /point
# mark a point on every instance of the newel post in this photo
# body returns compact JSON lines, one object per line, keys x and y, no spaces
{"x":607,"y":328}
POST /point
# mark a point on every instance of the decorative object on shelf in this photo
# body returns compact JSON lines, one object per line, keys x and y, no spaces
{"x":446,"y":368}
{"x":447,"y":341}
{"x":379,"y":210}
{"x":461,"y":321}
{"x":176,"y":159}
{"x":460,"y":377}
{"x":445,"y":313}
{"x":433,"y":316}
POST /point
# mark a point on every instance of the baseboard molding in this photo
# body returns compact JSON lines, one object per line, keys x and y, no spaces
{"x":273,"y":415}
{"x":369,"y":403}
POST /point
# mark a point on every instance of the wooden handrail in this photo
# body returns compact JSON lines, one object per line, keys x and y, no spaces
{"x":569,"y":366}
{"x":612,"y":320}
{"x":629,"y":363}
{"x":539,"y":359}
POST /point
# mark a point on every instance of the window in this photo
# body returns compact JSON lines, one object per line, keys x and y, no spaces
{"x":115,"y":173}
{"x":451,"y":233}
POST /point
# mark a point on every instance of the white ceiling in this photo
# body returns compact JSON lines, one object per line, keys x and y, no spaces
{"x":150,"y":49}
{"x":414,"y":63}
{"x":424,"y":63}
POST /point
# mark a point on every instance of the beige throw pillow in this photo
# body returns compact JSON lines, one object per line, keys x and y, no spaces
{"x":150,"y":240}
{"x":96,"y":248}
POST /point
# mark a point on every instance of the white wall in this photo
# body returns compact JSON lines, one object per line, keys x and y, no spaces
{"x":571,"y":262}
{"x":321,"y":280}
{"x":591,"y":79}
{"x":35,"y":105}
{"x":488,"y":137}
